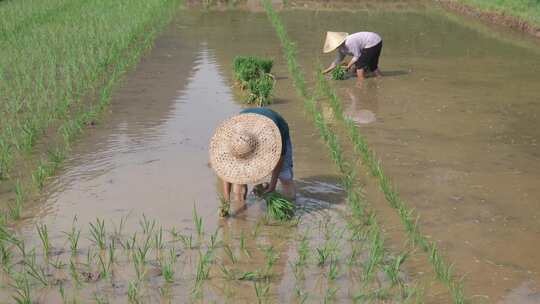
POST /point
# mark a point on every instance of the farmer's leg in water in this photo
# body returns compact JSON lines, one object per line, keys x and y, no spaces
{"x":240,"y":191}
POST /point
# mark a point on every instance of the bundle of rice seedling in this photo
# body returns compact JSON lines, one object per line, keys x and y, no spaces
{"x":278,"y":207}
{"x":261,"y":90}
{"x":339,"y":73}
{"x":247,"y":68}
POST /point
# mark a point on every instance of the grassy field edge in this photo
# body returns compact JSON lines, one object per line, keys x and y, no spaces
{"x":522,"y":15}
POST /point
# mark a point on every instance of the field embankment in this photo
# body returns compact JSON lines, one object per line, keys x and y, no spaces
{"x":523,"y":15}
{"x":59,"y":61}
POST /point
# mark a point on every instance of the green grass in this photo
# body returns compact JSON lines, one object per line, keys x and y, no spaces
{"x":527,"y":10}
{"x":58,"y":77}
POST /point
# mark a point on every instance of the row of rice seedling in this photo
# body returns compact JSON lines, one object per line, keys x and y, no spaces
{"x":441,"y":267}
{"x":149,"y":253}
{"x":355,"y":197}
{"x":56,"y":78}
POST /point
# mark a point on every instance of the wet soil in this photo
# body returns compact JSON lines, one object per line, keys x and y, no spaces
{"x":454,"y":122}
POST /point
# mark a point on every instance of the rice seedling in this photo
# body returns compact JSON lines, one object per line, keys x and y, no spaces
{"x":330,"y":295}
{"x":133,"y":292}
{"x":97,"y":233}
{"x":301,"y":295}
{"x":297,"y":270}
{"x":44,"y":237}
{"x":73,"y":238}
{"x":100,"y":298}
{"x":15,"y":209}
{"x":167,"y":269}
{"x":339,"y":73}
{"x":117,"y":230}
{"x":5,"y":158}
{"x":214,"y":239}
{"x":147,"y":225}
{"x":187,"y":241}
{"x":230,"y":254}
{"x":228,"y":274}
{"x":35,"y":271}
{"x":392,"y":269}
{"x":323,"y":253}
{"x":257,"y":229}
{"x":158,"y":239}
{"x":243,"y":246}
{"x":261,"y":291}
{"x":22,"y":289}
{"x":129,"y":243}
{"x":6,"y":257}
{"x":333,"y":269}
{"x":376,"y":253}
{"x":278,"y":207}
{"x":271,"y":257}
{"x":74,"y":273}
{"x":224,"y":207}
{"x":141,"y":253}
{"x":249,"y":276}
{"x":198,"y":222}
{"x":57,"y":263}
{"x":104,"y":267}
{"x":39,"y":175}
{"x":62,"y":293}
{"x":203,"y":266}
{"x":303,"y":251}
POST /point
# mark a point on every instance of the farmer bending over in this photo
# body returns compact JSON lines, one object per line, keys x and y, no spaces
{"x":364,"y":47}
{"x":248,"y":147}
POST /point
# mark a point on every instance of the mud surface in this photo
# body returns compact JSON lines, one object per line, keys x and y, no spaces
{"x":454,"y":120}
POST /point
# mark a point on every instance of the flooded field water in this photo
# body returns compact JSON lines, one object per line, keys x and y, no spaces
{"x":454,"y":122}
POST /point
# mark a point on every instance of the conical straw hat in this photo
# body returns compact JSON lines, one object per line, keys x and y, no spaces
{"x":333,"y":40}
{"x":245,"y":148}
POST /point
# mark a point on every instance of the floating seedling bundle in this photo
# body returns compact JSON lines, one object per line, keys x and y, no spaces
{"x":278,"y":207}
{"x":254,"y":75}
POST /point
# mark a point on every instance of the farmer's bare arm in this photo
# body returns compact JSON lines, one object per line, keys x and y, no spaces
{"x":352,"y":62}
{"x":275,"y":174}
{"x":330,"y":68}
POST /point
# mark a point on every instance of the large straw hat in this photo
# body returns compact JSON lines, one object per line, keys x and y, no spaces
{"x":245,"y":148}
{"x":333,"y":40}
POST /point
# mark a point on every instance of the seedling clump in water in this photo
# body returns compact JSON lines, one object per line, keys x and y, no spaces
{"x":254,"y":74}
{"x":339,"y":73}
{"x":278,"y":207}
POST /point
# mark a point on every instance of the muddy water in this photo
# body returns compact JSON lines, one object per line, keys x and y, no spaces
{"x":454,"y":122}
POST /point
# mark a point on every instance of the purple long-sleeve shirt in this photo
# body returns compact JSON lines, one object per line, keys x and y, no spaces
{"x":355,"y":43}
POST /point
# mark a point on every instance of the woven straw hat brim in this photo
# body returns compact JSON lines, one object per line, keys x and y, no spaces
{"x":333,"y":40}
{"x":259,"y":163}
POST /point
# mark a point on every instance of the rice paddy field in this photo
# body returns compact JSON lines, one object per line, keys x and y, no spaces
{"x":418,"y":187}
